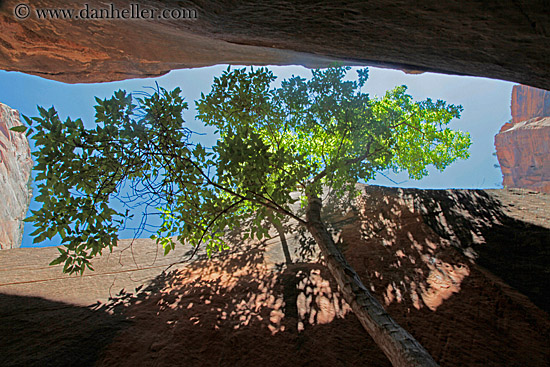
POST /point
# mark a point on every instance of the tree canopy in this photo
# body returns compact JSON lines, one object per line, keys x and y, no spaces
{"x":302,"y":136}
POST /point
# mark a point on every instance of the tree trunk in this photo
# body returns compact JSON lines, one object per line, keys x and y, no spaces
{"x":397,"y":344}
{"x":280,"y":229}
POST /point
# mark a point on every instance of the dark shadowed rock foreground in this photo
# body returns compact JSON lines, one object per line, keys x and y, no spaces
{"x":465,"y":271}
{"x":504,"y":39}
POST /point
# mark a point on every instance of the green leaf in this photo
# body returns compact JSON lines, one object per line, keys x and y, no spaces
{"x":19,"y":129}
{"x":57,"y":261}
{"x":304,"y":135}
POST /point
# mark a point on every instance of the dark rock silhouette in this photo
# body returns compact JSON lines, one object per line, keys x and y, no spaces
{"x":498,"y":39}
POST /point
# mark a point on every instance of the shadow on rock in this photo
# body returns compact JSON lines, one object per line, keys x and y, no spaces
{"x":233,"y":311}
{"x":420,"y":251}
{"x":516,"y":251}
{"x":38,"y":332}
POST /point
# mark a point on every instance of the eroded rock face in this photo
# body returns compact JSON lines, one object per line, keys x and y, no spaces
{"x":524,"y":154}
{"x":528,"y":103}
{"x":15,"y":170}
{"x":523,"y":145}
{"x":498,"y":39}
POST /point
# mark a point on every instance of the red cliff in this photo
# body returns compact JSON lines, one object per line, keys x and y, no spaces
{"x":528,"y":103}
{"x":523,"y":145}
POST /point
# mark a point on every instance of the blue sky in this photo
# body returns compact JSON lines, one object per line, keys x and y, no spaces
{"x":486,"y":105}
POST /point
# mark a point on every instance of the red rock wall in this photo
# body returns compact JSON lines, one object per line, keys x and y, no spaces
{"x":523,"y":145}
{"x":529,"y":102}
{"x":523,"y":152}
{"x":15,"y":170}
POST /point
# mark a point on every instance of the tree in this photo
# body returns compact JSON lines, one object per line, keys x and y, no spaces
{"x":305,"y":136}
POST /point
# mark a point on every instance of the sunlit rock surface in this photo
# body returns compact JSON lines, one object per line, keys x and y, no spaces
{"x":523,"y":145}
{"x":528,"y":103}
{"x":465,"y":271}
{"x":504,"y":39}
{"x":15,"y":169}
{"x":524,"y":154}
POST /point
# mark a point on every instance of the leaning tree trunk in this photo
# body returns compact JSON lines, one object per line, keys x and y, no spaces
{"x":281,"y":231}
{"x":397,"y":344}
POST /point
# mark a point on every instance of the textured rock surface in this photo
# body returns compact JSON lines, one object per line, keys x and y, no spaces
{"x":419,"y":251}
{"x":528,"y":103}
{"x":15,"y":169}
{"x":523,"y":145}
{"x":523,"y":153}
{"x":505,"y":39}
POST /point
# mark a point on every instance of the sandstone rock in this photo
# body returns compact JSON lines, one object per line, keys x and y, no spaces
{"x":407,"y":246}
{"x":15,"y":170}
{"x":523,"y":145}
{"x":498,"y":39}
{"x":523,"y":153}
{"x":528,"y":103}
